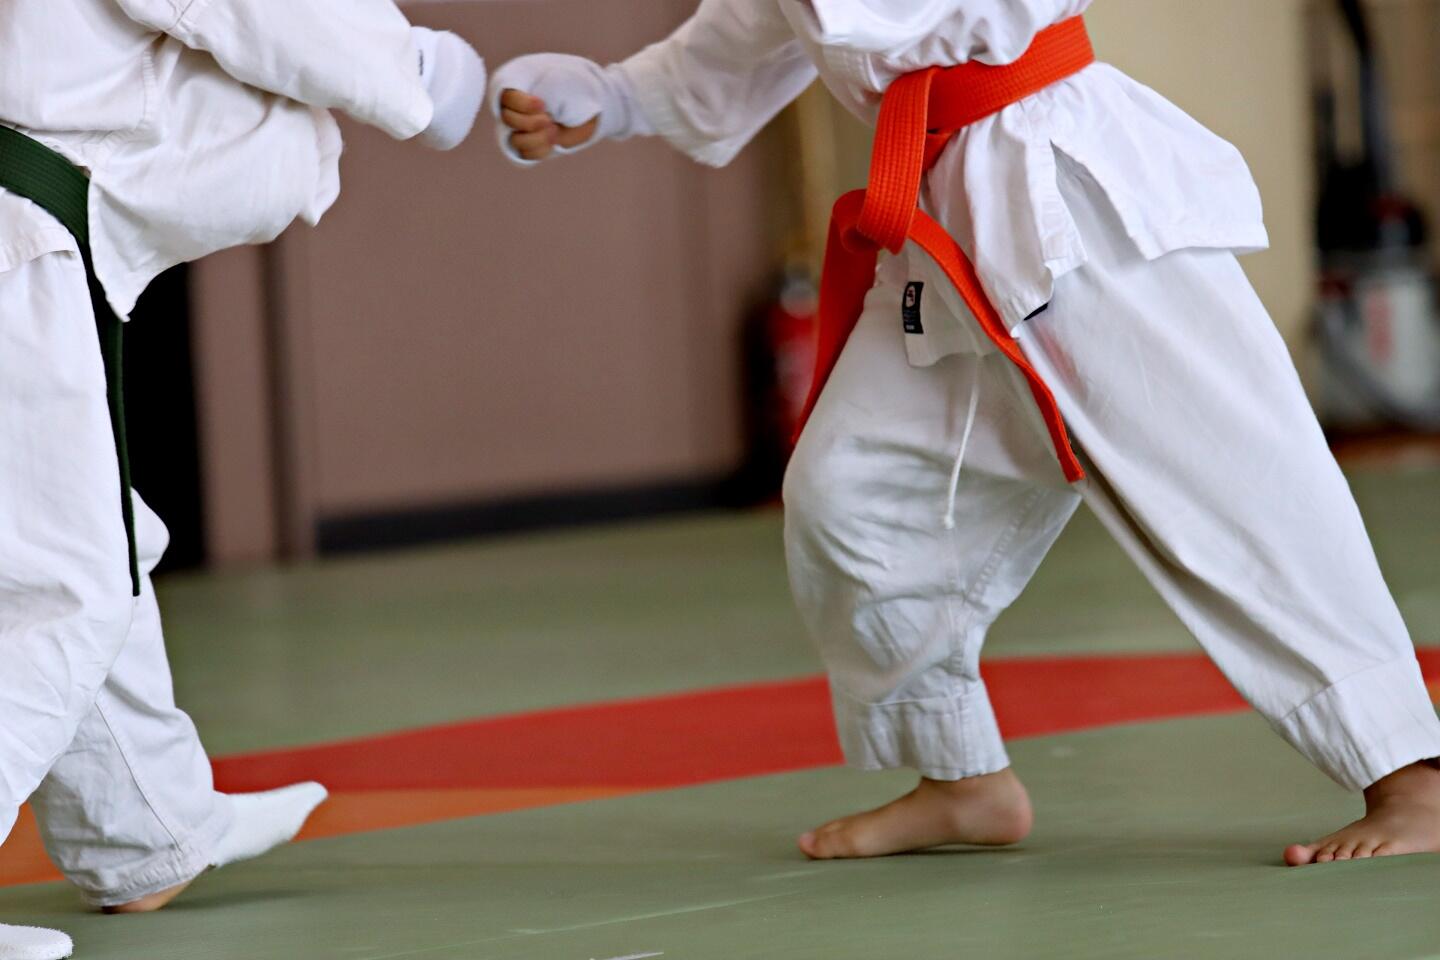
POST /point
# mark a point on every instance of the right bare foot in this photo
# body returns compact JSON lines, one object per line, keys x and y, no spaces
{"x":993,"y":810}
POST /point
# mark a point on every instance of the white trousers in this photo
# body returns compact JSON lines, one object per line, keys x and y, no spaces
{"x":1205,"y":463}
{"x":89,"y":729}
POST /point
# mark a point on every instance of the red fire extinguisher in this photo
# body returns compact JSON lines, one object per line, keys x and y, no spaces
{"x":780,"y":362}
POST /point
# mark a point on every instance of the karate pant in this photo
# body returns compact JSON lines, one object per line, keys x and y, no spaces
{"x":89,"y":730}
{"x":1204,"y":461}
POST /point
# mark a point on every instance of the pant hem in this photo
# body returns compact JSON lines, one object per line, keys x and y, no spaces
{"x":162,"y":870}
{"x":942,"y":738}
{"x":1368,"y":725}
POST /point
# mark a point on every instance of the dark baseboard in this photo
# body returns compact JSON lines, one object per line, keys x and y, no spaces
{"x":422,"y":525}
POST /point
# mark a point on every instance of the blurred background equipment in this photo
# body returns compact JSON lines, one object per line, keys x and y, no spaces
{"x":1378,"y":319}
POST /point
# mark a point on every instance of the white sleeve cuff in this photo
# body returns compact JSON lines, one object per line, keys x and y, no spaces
{"x":644,"y":73}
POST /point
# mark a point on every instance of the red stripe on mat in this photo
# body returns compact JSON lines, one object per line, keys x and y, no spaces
{"x":709,"y":735}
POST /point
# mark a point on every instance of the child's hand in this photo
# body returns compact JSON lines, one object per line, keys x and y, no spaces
{"x":535,"y":134}
{"x":552,"y":103}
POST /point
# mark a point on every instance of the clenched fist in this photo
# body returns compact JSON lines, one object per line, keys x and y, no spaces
{"x":553,"y":103}
{"x":535,"y":134}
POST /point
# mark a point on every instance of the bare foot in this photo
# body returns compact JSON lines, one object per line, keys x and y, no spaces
{"x":148,"y":904}
{"x":1402,"y":815}
{"x":262,"y":822}
{"x":993,"y":810}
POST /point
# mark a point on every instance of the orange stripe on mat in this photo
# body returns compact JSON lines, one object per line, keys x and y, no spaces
{"x":595,"y":751}
{"x":24,"y":860}
{"x":366,"y":810}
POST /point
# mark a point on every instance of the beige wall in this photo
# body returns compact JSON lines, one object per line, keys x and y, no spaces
{"x":235,"y":406}
{"x":459,"y":330}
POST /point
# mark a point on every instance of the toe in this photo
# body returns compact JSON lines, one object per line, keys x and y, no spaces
{"x":1298,"y":855}
{"x":1366,"y":849}
{"x":1345,"y":847}
{"x":830,"y":842}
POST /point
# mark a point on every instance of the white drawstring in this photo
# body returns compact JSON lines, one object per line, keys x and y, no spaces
{"x":964,"y":442}
{"x":977,"y":359}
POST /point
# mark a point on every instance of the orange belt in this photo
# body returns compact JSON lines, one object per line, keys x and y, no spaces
{"x":921,"y":112}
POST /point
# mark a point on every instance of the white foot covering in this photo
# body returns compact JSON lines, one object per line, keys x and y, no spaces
{"x":454,"y":75}
{"x":263,"y":821}
{"x":33,"y":943}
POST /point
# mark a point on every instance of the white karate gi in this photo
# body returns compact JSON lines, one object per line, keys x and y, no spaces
{"x":1099,"y":198}
{"x":203,"y":125}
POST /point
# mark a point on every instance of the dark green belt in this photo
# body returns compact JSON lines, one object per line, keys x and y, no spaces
{"x":39,"y":174}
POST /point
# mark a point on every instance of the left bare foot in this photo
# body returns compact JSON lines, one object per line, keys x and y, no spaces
{"x":148,"y":904}
{"x":1402,"y":815}
{"x":992,"y":810}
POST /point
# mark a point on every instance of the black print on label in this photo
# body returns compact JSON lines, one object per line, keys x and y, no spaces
{"x":910,"y":307}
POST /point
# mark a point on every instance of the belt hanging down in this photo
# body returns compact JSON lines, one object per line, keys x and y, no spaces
{"x":40,"y":175}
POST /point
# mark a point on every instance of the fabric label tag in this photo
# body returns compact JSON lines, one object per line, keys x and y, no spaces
{"x":910,"y":307}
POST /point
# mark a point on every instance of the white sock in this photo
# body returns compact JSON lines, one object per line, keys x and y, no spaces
{"x":263,"y":821}
{"x":33,"y":943}
{"x":454,"y":76}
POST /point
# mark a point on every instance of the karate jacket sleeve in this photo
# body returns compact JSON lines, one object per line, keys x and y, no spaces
{"x":355,"y":56}
{"x":716,"y":81}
